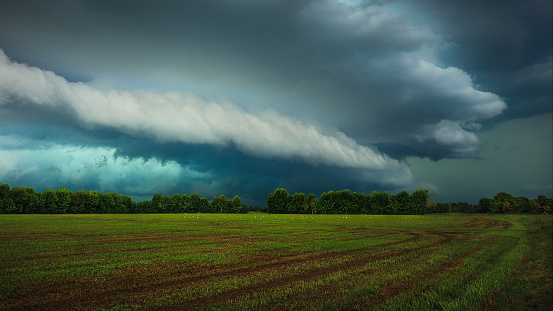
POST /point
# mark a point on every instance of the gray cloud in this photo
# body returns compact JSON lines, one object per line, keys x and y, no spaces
{"x":183,"y":118}
{"x":278,"y":86}
{"x":315,"y":60}
{"x":516,"y":158}
{"x":452,"y":134}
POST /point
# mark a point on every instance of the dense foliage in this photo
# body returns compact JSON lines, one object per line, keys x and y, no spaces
{"x":24,"y":200}
{"x":501,"y":203}
{"x":347,"y":202}
{"x":403,"y":203}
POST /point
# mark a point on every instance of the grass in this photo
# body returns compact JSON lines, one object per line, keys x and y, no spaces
{"x":266,"y":262}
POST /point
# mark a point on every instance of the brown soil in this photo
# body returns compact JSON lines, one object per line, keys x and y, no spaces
{"x":146,"y":282}
{"x":486,"y":223}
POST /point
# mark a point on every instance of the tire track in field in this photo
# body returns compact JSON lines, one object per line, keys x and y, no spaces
{"x":308,"y":275}
{"x":87,"y":297}
{"x":388,"y":290}
{"x":397,"y":288}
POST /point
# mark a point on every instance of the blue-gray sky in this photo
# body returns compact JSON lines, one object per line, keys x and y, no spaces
{"x":240,"y":97}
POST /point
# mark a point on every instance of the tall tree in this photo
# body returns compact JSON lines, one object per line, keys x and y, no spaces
{"x":327,"y":202}
{"x":313,"y":203}
{"x":359,"y":203}
{"x":297,"y":203}
{"x":198,"y":204}
{"x":417,"y":202}
{"x":220,"y":204}
{"x":92,"y":201}
{"x":484,"y":205}
{"x":379,"y":202}
{"x":6,"y":202}
{"x":344,"y":201}
{"x":175,"y":204}
{"x":50,"y":202}
{"x":185,"y":199}
{"x":522,"y":205}
{"x":236,"y":205}
{"x":277,"y":202}
{"x":503,"y":203}
{"x":78,"y":202}
{"x":23,"y":200}
{"x":545,"y":205}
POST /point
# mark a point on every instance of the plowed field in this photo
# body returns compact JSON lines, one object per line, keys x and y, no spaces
{"x":275,"y":262}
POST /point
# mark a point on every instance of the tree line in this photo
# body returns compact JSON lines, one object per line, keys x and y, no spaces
{"x":501,"y":203}
{"x":347,"y":202}
{"x":24,"y":200}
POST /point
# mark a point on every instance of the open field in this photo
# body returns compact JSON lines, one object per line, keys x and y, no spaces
{"x":266,"y":262}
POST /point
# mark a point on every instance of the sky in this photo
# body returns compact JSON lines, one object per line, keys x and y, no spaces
{"x":240,"y":97}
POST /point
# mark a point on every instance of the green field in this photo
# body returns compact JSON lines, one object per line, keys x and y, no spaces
{"x":266,"y":262}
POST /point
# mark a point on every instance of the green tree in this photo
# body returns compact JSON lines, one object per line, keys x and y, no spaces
{"x":4,"y":195}
{"x":393,"y":205}
{"x":402,"y":200}
{"x":107,"y":203}
{"x":144,"y":207}
{"x":220,"y":204}
{"x":91,"y":202}
{"x":197,"y":204}
{"x":203,"y":205}
{"x":124,"y":204}
{"x":297,"y":203}
{"x":64,"y":200}
{"x":175,"y":204}
{"x":50,"y":202}
{"x":484,"y":205}
{"x":23,"y":200}
{"x":502,"y":203}
{"x":463,"y":207}
{"x":78,"y":202}
{"x":313,"y":203}
{"x":379,"y":202}
{"x":545,"y":204}
{"x":358,"y":203}
{"x":367,"y":207}
{"x":343,"y":201}
{"x":522,"y":205}
{"x":277,"y":202}
{"x":236,"y":205}
{"x":7,"y":204}
{"x":327,"y":202}
{"x":160,"y":203}
{"x":185,"y":199}
{"x":417,"y":202}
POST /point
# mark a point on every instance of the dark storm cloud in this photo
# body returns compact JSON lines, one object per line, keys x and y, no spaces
{"x":315,"y":60}
{"x":160,"y":119}
{"x":505,"y":45}
{"x":230,"y":172}
{"x":244,"y":96}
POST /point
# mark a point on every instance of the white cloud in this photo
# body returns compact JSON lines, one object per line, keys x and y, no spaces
{"x":452,"y":134}
{"x":456,"y":84}
{"x":184,"y":118}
